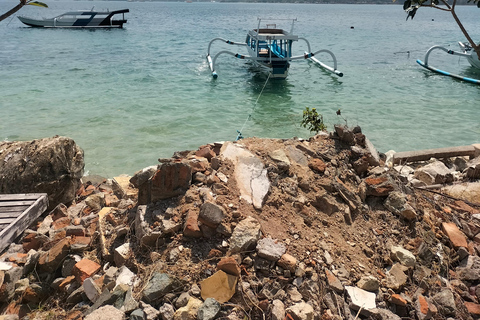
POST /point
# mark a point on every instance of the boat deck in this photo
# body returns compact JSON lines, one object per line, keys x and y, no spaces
{"x":17,"y":212}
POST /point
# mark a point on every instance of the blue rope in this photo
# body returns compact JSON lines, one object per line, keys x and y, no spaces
{"x":240,"y":136}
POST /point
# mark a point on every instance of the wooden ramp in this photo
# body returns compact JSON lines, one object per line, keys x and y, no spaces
{"x":17,"y":212}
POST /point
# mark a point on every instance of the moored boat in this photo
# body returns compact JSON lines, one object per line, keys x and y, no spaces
{"x":466,"y":52}
{"x":270,"y":48}
{"x":80,"y":19}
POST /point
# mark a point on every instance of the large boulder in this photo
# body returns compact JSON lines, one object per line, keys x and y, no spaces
{"x":50,"y":165}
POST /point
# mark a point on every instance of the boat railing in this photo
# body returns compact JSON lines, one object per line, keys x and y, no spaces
{"x":456,"y":53}
{"x":226,"y":41}
{"x":54,"y":22}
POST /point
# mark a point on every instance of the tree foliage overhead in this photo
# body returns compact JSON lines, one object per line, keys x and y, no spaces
{"x":20,"y":5}
{"x":411,"y":7}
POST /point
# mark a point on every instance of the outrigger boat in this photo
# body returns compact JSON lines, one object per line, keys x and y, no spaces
{"x":467,"y":52}
{"x":80,"y":19}
{"x":271,"y":49}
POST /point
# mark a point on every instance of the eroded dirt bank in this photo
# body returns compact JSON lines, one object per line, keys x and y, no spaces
{"x":258,"y":229}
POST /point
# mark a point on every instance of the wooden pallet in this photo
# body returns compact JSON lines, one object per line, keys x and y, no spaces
{"x":17,"y":212}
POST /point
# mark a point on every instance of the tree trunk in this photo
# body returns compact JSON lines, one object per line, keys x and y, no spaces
{"x":15,"y":9}
{"x":465,"y":33}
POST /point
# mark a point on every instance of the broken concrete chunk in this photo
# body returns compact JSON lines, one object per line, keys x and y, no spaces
{"x":270,"y":249}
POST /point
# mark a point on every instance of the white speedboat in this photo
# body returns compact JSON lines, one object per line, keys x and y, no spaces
{"x":466,"y":52}
{"x":80,"y":19}
{"x":271,"y":48}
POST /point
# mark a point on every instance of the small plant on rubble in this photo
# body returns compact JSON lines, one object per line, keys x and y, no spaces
{"x":313,"y":121}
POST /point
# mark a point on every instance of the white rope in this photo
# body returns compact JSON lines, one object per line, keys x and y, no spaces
{"x":239,"y":136}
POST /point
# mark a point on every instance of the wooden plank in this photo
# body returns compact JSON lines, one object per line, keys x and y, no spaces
{"x":16,"y":203}
{"x":424,"y":155}
{"x":19,"y":225}
{"x":18,"y":209}
{"x":12,"y":214}
{"x":20,"y":196}
{"x":7,"y":220}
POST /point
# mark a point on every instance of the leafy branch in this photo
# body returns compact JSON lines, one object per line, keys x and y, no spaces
{"x":20,"y":5}
{"x":411,"y":7}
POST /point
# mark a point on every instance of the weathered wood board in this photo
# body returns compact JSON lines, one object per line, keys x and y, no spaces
{"x":424,"y":155}
{"x":17,"y":212}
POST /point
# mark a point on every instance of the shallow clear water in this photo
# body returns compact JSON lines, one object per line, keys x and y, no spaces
{"x":131,"y":96}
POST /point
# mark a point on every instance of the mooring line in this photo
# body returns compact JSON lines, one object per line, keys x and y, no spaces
{"x":239,"y":136}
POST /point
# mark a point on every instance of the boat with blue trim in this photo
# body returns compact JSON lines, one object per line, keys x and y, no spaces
{"x":270,"y":48}
{"x":466,"y":52}
{"x":80,"y":19}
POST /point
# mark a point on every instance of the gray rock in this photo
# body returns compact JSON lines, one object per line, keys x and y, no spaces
{"x":10,"y":278}
{"x":167,"y":311}
{"x":159,"y":285}
{"x":446,"y":302}
{"x":403,"y":256}
{"x":396,"y":277}
{"x":130,"y":303}
{"x":137,"y":314}
{"x":396,"y":203}
{"x":150,"y":312}
{"x":473,"y":169}
{"x":209,"y":309}
{"x":142,"y":176}
{"x":434,"y":173}
{"x":245,"y":235}
{"x":55,"y":166}
{"x":278,"y":310}
{"x":182,"y":300}
{"x":383,"y":314}
{"x":195,"y":290}
{"x":368,"y":283}
{"x":301,"y":311}
{"x":211,"y":214}
{"x":280,"y":157}
{"x":270,"y":249}
{"x":91,"y":289}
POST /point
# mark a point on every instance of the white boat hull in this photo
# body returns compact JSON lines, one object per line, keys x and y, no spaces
{"x":80,"y":19}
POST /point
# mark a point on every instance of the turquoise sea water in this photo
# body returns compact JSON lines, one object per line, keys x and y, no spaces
{"x":131,"y":96}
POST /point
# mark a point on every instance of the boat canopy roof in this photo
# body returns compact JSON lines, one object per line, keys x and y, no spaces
{"x":93,"y":13}
{"x":271,"y":32}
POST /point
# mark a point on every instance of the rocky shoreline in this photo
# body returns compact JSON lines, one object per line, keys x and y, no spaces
{"x":324,"y":228}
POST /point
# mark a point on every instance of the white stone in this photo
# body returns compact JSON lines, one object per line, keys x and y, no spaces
{"x":250,"y":173}
{"x":361,"y":298}
{"x":125,"y":276}
{"x":121,"y":254}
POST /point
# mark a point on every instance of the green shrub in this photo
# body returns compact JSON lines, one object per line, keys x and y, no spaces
{"x":313,"y":121}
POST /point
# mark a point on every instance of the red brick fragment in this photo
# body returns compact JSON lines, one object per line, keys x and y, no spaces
{"x":457,"y":238}
{"x":84,"y":269}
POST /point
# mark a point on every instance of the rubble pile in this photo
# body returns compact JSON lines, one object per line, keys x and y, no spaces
{"x":269,"y":229}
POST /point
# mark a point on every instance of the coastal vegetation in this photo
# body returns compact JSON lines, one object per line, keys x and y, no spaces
{"x":411,"y":7}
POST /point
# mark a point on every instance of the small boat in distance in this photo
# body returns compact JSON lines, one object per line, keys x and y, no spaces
{"x":466,"y":52}
{"x":80,"y":19}
{"x":271,"y":48}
